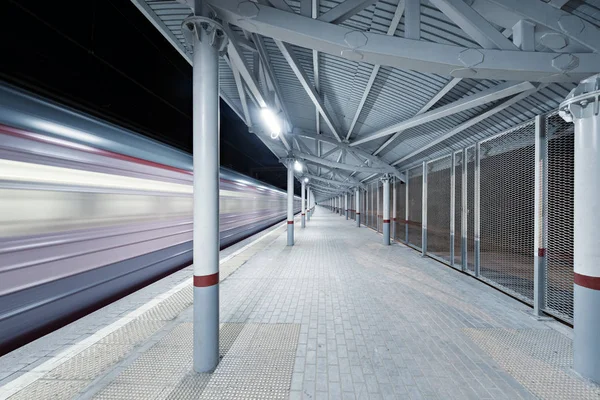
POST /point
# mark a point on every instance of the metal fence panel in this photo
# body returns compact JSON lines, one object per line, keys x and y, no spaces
{"x":458,"y":163}
{"x":372,"y":222}
{"x":470,"y":252}
{"x":400,"y":232}
{"x":415,"y":206}
{"x":438,"y":207}
{"x":559,"y":272}
{"x":507,"y":210}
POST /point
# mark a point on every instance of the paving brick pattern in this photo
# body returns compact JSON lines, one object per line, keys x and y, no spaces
{"x":367,"y":322}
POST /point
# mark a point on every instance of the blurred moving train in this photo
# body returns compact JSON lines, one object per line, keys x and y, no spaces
{"x":90,"y":211}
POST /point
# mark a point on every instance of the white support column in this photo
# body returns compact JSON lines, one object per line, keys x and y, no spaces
{"x":207,"y":38}
{"x":386,"y":209}
{"x":583,"y":108}
{"x":357,"y":197}
{"x":303,"y":194}
{"x":394,"y":209}
{"x":341,"y":199}
{"x":290,"y":203}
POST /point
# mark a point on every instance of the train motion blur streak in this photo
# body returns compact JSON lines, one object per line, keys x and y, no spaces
{"x":89,"y":211}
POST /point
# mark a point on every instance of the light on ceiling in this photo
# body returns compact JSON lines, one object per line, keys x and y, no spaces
{"x":305,"y":180}
{"x":271,"y":121}
{"x":298,"y":166}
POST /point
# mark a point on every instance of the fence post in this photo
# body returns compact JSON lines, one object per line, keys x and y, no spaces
{"x":463,"y":212}
{"x":424,"y":212}
{"x":541,"y":216}
{"x":394,"y":209}
{"x":406,"y":214}
{"x":452,"y":207}
{"x":477,"y":227}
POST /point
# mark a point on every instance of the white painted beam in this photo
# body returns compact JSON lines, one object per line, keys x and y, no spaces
{"x":290,"y":57}
{"x":449,"y":60}
{"x":430,"y":103}
{"x":477,"y":99}
{"x":333,"y":164}
{"x":344,"y":10}
{"x":412,"y":19}
{"x":390,"y":32}
{"x":554,"y":18}
{"x":474,"y":24}
{"x":469,"y":123}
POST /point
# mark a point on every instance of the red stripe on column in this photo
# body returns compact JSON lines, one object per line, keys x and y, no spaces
{"x":302,"y":213}
{"x":206,"y":280}
{"x":541,"y":252}
{"x":290,"y":222}
{"x":357,"y":213}
{"x":386,"y":221}
{"x":590,"y":282}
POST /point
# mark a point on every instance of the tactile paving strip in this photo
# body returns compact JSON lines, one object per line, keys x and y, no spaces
{"x":133,"y":332}
{"x":258,"y":366}
{"x":165,"y":370}
{"x":171,"y":307}
{"x":90,"y":363}
{"x":51,"y":389}
{"x":540,"y":359}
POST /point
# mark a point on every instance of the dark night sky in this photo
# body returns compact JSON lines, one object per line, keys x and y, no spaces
{"x":104,"y":58}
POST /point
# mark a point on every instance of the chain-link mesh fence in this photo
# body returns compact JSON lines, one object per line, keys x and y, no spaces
{"x":470,"y":251}
{"x":438,"y":207}
{"x":559,"y":264}
{"x":415,"y":206}
{"x":351,"y":206}
{"x":400,"y":230}
{"x":372,"y":223}
{"x":507,"y":178}
{"x":458,"y":187}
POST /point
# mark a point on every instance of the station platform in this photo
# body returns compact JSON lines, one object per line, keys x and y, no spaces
{"x":337,"y":316}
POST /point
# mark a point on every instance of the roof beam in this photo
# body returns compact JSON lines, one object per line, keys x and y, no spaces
{"x":241,"y":92}
{"x":268,"y":67}
{"x":237,"y":59}
{"x":469,"y":123}
{"x":474,"y":24}
{"x":235,"y":55}
{"x":575,"y":28}
{"x":390,"y":32}
{"x":332,"y":181}
{"x":412,"y":20}
{"x":333,"y":164}
{"x":290,"y":57}
{"x":373,"y":48}
{"x":477,"y":99}
{"x":448,"y":87}
{"x":374,"y":159}
{"x":345,"y":10}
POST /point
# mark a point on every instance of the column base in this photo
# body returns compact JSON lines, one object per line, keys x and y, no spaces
{"x":386,"y":233}
{"x":303,"y":222}
{"x":290,"y":233}
{"x":586,"y":325}
{"x":206,"y":328}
